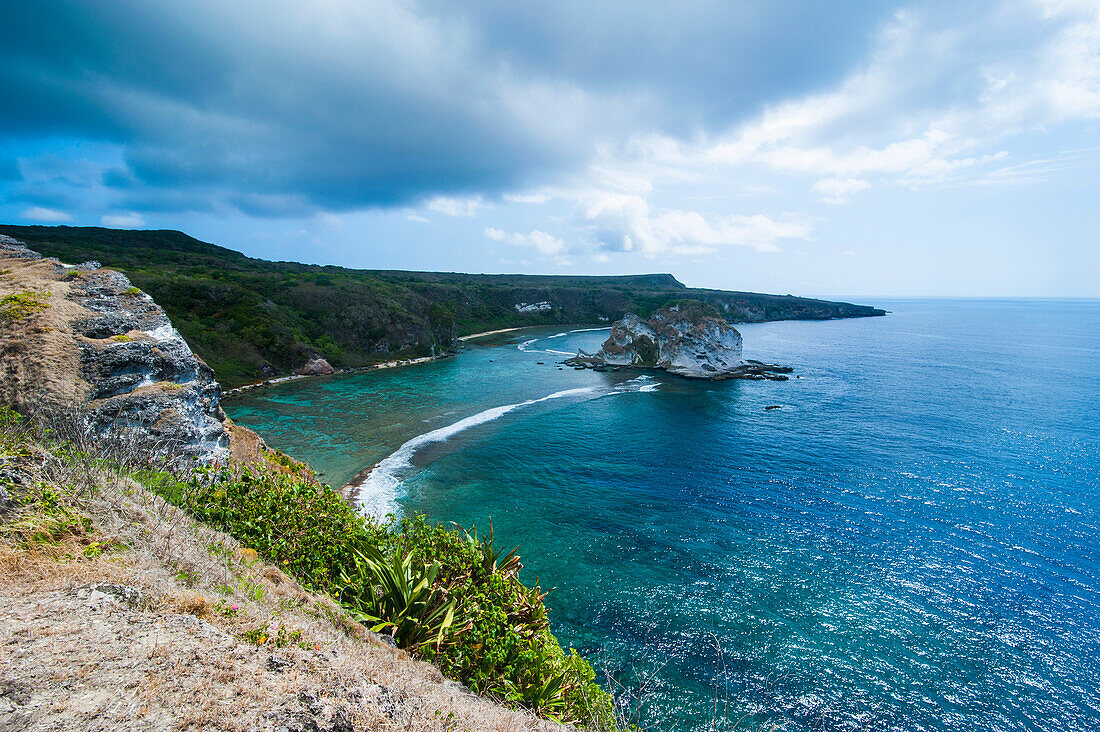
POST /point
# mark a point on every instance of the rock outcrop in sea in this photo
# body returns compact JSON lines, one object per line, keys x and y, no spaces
{"x":687,"y":338}
{"x":95,"y":344}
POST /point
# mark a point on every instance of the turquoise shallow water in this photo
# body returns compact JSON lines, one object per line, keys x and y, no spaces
{"x":910,"y":543}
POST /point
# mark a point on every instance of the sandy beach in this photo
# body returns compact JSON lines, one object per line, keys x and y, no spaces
{"x":486,"y":333}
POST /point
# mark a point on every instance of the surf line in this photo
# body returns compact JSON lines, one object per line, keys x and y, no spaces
{"x":526,"y":345}
{"x":374,"y":491}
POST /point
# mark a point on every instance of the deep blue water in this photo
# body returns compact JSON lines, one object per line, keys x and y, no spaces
{"x":910,"y":542}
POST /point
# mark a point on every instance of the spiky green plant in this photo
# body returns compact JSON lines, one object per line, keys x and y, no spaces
{"x":399,"y":596}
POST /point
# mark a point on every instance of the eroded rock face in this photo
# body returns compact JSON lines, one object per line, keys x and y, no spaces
{"x":688,"y":338}
{"x":136,"y":375}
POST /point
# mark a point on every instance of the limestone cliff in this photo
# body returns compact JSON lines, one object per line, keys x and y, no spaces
{"x":687,"y":338}
{"x":83,"y":338}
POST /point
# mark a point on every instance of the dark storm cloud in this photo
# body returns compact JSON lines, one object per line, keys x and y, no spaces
{"x":278,"y":107}
{"x":705,"y":63}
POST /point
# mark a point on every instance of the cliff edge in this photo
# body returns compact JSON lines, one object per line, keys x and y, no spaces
{"x":79,"y":337}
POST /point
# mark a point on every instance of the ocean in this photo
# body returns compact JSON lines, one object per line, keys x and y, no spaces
{"x":910,"y":542}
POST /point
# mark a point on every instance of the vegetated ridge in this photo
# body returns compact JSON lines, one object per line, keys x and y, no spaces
{"x":252,"y":319}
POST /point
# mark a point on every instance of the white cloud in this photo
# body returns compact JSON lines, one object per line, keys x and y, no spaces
{"x":546,"y":244}
{"x":464,"y":207}
{"x":927,"y":105}
{"x":837,"y":190}
{"x":47,"y":215}
{"x":417,"y":218}
{"x":625,"y":222}
{"x":527,"y":197}
{"x":123,"y":221}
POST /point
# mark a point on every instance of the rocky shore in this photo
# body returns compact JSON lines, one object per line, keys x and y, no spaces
{"x":688,"y":338}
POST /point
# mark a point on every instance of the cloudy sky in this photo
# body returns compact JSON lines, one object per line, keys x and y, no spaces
{"x":851,"y":148}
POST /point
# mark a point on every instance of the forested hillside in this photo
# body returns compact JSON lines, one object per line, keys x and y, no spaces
{"x":250,"y":318}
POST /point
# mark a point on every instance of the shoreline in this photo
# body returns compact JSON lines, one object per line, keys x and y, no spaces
{"x":493,"y":332}
{"x":374,"y":366}
{"x":356,"y":370}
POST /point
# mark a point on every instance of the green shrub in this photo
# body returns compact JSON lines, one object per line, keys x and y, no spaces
{"x":507,"y":648}
{"x":48,"y":518}
{"x":395,"y":595}
{"x":448,"y":595}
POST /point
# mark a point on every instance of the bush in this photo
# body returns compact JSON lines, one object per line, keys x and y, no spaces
{"x":446,"y":594}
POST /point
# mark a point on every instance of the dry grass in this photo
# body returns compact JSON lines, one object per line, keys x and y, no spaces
{"x":39,"y":354}
{"x":219,"y":640}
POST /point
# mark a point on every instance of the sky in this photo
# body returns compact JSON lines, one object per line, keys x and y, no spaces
{"x":825,"y":149}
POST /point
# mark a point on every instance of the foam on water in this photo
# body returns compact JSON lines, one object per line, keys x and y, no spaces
{"x":379,"y":491}
{"x":526,"y":346}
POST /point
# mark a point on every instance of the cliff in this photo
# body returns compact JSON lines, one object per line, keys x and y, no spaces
{"x":687,"y":338}
{"x":78,"y":337}
{"x":252,"y":319}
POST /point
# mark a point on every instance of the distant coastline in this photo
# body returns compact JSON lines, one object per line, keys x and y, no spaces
{"x":254,"y":320}
{"x":356,"y":370}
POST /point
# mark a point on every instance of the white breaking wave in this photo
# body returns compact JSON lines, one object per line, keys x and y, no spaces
{"x":378,"y":493}
{"x":643,"y":384}
{"x":526,"y":345}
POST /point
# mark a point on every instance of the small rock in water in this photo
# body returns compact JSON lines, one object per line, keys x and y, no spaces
{"x":771,"y":407}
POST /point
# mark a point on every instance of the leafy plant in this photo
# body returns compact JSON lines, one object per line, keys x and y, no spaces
{"x":449,"y":595}
{"x":400,"y":596}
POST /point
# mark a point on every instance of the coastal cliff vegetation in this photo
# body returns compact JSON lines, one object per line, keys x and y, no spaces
{"x":99,"y":396}
{"x":251,"y":319}
{"x":447,"y":596}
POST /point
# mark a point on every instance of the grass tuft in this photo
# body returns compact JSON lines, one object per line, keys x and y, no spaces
{"x":20,"y":305}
